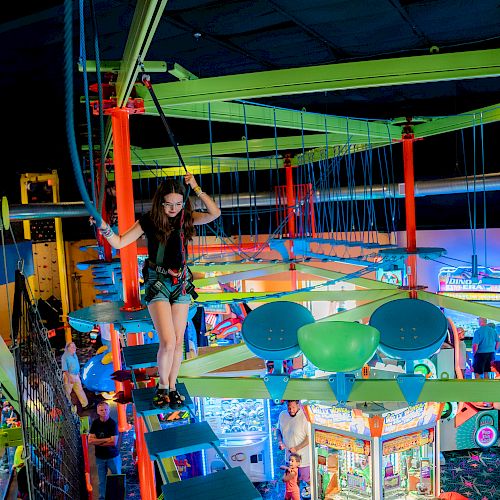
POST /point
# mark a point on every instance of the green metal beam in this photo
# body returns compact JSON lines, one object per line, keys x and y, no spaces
{"x":436,"y":126}
{"x":331,"y":77}
{"x":313,"y":295}
{"x":204,"y":166}
{"x":114,"y":66}
{"x":266,"y":116}
{"x":165,"y":156}
{"x":334,"y":275}
{"x":252,"y":273}
{"x":363,"y":390}
{"x":236,"y":267}
{"x":474,"y":308}
{"x":147,"y":15}
{"x":214,"y":361}
{"x":8,"y":375}
{"x":365,"y":310}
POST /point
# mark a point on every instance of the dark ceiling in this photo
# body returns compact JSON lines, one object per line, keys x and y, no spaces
{"x":215,"y":38}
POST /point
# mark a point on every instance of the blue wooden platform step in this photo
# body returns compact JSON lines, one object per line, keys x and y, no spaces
{"x":180,"y":439}
{"x":228,"y":484}
{"x":140,"y":356}
{"x":143,"y":401}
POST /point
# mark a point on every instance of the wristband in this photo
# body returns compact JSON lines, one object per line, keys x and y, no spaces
{"x":107,"y":232}
{"x":197,"y":191}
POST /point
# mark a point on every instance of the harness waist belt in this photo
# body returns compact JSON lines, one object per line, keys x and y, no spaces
{"x":161,"y":270}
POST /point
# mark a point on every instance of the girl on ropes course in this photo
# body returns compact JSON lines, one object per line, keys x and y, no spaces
{"x":168,"y":282}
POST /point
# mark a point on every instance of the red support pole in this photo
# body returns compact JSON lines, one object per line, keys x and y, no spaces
{"x":86,"y":464}
{"x":125,"y":206}
{"x":411,"y":224}
{"x":123,"y":425}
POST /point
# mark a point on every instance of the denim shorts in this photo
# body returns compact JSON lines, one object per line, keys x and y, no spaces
{"x":167,"y":289}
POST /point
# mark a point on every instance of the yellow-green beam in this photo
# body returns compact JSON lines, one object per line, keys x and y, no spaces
{"x":165,"y":156}
{"x":147,"y":15}
{"x":334,"y":275}
{"x":114,"y":66}
{"x":365,"y":310}
{"x":472,"y":118}
{"x":266,"y":116}
{"x":313,"y":295}
{"x":207,"y":363}
{"x":363,"y":390}
{"x":474,"y":308}
{"x":251,"y":273}
{"x":331,"y":77}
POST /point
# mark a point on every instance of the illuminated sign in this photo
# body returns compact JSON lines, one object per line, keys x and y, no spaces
{"x":486,"y":436}
{"x":460,"y":279}
{"x":484,"y":296}
{"x":394,"y":277}
{"x":421,"y":414}
{"x":408,"y":442}
{"x":342,"y":419}
{"x":339,"y":442}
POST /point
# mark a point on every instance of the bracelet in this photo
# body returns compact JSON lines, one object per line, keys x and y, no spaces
{"x":107,"y":232}
{"x":197,"y":191}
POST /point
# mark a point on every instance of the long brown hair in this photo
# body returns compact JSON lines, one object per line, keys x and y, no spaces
{"x":163,"y":223}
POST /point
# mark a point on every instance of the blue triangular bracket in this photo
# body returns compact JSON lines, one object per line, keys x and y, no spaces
{"x":341,"y":385}
{"x":411,"y":385}
{"x":276,"y":385}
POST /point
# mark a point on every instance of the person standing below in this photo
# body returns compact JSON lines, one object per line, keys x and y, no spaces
{"x":293,"y":436}
{"x":485,"y":343}
{"x":169,"y":226}
{"x":71,"y":375}
{"x":291,"y":478}
{"x":104,"y":436}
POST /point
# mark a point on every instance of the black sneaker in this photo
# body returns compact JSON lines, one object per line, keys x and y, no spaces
{"x":161,"y":399}
{"x":176,"y":400}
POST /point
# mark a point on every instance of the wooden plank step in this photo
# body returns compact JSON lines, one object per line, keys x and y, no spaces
{"x":143,"y":401}
{"x":228,"y":484}
{"x":140,"y":356}
{"x":180,"y":439}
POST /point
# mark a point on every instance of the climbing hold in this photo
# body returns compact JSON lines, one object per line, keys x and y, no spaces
{"x":338,"y":346}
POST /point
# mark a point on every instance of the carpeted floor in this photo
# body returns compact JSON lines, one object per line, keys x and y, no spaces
{"x":472,"y":473}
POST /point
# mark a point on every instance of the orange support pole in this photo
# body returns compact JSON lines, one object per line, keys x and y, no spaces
{"x":125,"y":206}
{"x":411,"y":224}
{"x":145,"y":467}
{"x":117,"y":365}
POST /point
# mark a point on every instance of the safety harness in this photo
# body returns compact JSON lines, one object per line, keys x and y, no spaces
{"x":182,"y":279}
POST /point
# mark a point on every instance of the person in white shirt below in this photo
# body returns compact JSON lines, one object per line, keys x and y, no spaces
{"x":293,"y":436}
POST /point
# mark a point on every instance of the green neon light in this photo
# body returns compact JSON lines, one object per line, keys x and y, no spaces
{"x":363,"y":390}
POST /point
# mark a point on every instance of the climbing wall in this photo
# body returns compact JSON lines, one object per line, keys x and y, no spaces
{"x":46,"y":271}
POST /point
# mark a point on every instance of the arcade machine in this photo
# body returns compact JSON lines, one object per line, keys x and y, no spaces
{"x":368,"y":453}
{"x":244,"y":428}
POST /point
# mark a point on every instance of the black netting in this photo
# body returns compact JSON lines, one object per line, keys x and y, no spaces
{"x":53,"y":449}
